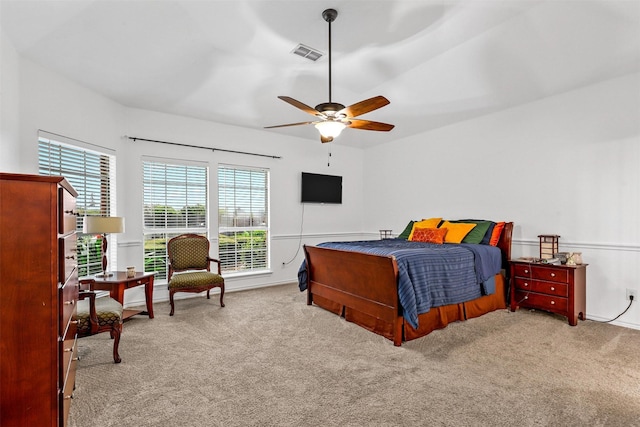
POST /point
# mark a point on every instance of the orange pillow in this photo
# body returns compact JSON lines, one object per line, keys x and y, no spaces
{"x":425,"y":223}
{"x":495,"y":234}
{"x":456,"y":231}
{"x":429,"y":235}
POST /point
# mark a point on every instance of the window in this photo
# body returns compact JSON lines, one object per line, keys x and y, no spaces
{"x":174,"y":202}
{"x":243,"y":218}
{"x":92,"y":175}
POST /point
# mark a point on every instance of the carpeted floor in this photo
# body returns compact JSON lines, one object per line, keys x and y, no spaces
{"x":268,"y":359}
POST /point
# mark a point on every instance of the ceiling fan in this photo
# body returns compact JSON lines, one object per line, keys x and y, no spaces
{"x":333,"y":117}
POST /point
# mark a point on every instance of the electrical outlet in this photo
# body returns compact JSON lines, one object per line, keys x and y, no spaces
{"x":631,"y":292}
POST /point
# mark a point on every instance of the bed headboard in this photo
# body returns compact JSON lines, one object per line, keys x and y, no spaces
{"x":505,"y":244}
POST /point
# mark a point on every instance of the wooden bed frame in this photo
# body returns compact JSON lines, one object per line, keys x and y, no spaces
{"x":363,"y":288}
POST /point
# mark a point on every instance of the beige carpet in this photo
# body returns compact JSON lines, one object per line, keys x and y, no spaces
{"x":268,"y":359}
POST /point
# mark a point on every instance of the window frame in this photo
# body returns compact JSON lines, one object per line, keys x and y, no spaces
{"x":264,"y":261}
{"x":155,"y":238}
{"x":79,"y":169}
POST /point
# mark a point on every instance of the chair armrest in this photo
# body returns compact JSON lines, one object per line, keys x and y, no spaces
{"x":209,"y":259}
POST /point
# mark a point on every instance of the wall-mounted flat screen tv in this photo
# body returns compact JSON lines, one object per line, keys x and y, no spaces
{"x":318,"y":188}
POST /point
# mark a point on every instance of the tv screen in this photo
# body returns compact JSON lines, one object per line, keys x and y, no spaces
{"x":317,"y":188}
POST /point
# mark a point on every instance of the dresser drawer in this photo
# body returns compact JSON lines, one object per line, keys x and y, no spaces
{"x":67,"y":215}
{"x":68,"y":302}
{"x":68,"y":383}
{"x":522,"y":270}
{"x":68,"y":258}
{"x":549,"y":288}
{"x":541,"y":301}
{"x":551,"y":274}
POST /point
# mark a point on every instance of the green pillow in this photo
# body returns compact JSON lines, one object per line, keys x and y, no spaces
{"x":477,"y":234}
{"x":405,"y":234}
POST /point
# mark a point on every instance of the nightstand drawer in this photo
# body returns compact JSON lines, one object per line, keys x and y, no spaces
{"x":543,"y":302}
{"x":549,"y":288}
{"x":549,"y":273}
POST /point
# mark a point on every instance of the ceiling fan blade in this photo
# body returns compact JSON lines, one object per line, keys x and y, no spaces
{"x":302,"y":106}
{"x":324,"y":139}
{"x":289,"y":124}
{"x":369,"y":125}
{"x":365,"y":106}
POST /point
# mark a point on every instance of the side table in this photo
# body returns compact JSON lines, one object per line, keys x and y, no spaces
{"x":117,"y":284}
{"x":560,"y":289}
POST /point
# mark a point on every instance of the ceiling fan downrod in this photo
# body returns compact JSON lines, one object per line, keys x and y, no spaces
{"x":330,"y":15}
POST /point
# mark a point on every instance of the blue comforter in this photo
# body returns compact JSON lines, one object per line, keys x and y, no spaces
{"x":430,"y":275}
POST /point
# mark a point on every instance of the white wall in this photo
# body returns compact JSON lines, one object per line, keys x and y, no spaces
{"x":9,"y":107}
{"x":52,"y":103}
{"x":567,"y":165}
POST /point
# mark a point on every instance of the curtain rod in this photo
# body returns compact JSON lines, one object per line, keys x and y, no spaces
{"x":202,"y":147}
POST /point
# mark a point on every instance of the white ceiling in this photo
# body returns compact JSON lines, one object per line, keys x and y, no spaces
{"x":438,"y":62}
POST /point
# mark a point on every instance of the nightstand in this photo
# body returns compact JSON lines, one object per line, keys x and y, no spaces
{"x":559,"y":289}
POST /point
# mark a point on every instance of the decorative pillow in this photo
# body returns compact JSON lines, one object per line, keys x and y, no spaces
{"x":407,"y":230}
{"x":495,"y":236}
{"x":429,"y":235}
{"x":487,"y":236}
{"x":456,"y":231}
{"x":477,"y":234}
{"x":425,"y":223}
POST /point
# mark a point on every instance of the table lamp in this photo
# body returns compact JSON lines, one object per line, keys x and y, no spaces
{"x":103,"y":225}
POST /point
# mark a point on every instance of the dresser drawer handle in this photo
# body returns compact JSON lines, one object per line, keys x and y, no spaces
{"x":526,"y":271}
{"x":553,"y":288}
{"x":69,"y":302}
{"x":553,"y":274}
{"x":525,"y":284}
{"x":553,"y":302}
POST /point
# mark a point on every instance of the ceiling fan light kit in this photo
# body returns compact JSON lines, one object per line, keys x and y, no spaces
{"x":333,"y":117}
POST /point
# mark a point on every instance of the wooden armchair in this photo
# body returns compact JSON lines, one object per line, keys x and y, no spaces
{"x":97,"y":315}
{"x":189,"y":254}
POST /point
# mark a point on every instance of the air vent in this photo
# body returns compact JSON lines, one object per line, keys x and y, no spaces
{"x":307,"y":52}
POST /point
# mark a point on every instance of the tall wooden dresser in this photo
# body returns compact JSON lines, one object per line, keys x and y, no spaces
{"x":38,"y":295}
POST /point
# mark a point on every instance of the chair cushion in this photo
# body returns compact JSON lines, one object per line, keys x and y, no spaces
{"x":195,"y":279}
{"x":189,"y":253}
{"x":108,"y":310}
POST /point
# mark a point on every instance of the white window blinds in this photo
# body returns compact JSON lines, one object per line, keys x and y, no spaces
{"x":243,"y":218}
{"x":174,"y":202}
{"x":92,"y":175}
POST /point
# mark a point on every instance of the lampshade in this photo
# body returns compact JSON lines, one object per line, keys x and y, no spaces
{"x":103,"y":224}
{"x":330,"y":128}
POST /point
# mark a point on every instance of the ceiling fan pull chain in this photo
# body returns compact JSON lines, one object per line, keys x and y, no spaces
{"x":329,"y":156}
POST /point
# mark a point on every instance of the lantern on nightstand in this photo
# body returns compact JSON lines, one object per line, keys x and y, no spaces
{"x":548,"y":245}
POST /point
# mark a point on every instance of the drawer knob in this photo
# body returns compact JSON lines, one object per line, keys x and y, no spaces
{"x":69,"y":302}
{"x":553,"y":288}
{"x":553,"y":274}
{"x":553,"y":302}
{"x":525,"y":284}
{"x":68,"y":397}
{"x":526,"y":271}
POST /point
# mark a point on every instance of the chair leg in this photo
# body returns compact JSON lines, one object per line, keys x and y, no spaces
{"x":116,"y":332}
{"x":171,"y":301}
{"x":221,"y":295}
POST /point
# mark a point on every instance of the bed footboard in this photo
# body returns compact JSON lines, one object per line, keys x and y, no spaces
{"x":361,"y":282}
